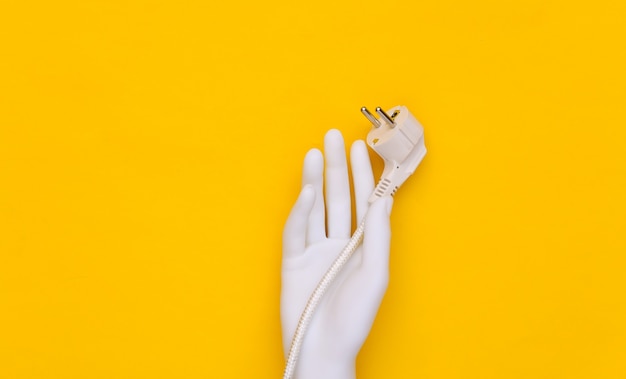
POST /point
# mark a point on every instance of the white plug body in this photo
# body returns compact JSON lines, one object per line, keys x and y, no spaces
{"x":401,"y":145}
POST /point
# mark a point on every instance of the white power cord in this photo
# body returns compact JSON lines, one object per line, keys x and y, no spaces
{"x":399,"y":140}
{"x":320,"y":290}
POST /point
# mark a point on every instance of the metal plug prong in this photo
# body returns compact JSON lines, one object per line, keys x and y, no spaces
{"x":370,"y":117}
{"x":385,"y":116}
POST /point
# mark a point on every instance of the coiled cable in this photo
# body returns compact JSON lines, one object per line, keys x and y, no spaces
{"x":320,"y":290}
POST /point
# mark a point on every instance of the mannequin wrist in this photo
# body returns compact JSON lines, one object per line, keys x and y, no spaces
{"x":315,"y":368}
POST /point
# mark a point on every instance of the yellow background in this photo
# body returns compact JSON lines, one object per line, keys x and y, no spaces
{"x":150,"y":152}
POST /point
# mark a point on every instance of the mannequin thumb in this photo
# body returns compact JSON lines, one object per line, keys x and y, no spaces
{"x":381,"y":206}
{"x":377,"y":234}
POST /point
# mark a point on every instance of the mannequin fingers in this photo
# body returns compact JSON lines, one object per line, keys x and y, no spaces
{"x":313,"y":174}
{"x":294,"y":233}
{"x":376,"y":239}
{"x":337,"y":186}
{"x":362,"y":176}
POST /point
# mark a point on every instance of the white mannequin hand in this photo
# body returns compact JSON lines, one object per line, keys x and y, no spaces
{"x":345,"y":315}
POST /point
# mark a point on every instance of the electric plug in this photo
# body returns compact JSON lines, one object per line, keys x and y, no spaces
{"x":399,"y":140}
